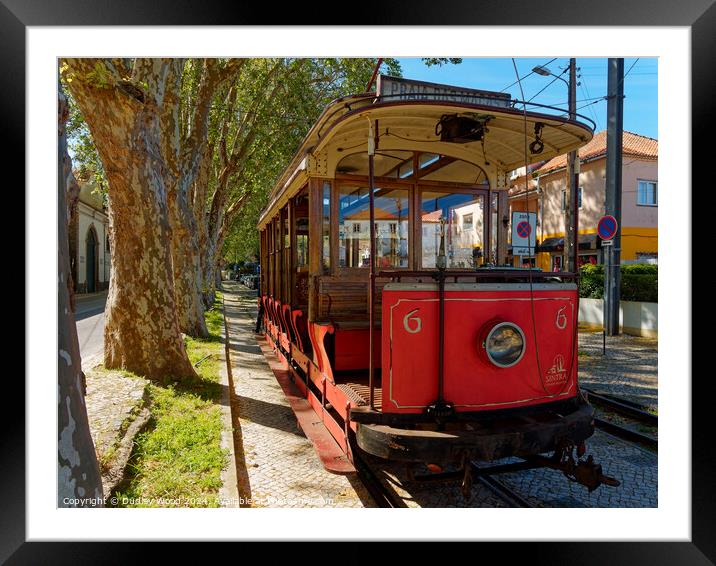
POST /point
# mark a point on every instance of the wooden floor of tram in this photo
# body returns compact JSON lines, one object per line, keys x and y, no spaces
{"x":356,"y":388}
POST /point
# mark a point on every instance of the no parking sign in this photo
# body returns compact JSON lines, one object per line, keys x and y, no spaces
{"x":523,"y":233}
{"x":607,"y":228}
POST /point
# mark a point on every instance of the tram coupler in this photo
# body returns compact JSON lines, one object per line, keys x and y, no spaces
{"x":441,"y":411}
{"x":585,"y":472}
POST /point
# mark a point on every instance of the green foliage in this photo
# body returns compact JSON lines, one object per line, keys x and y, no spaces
{"x":440,"y":61}
{"x":639,"y":282}
{"x":309,"y":85}
{"x":85,"y":160}
{"x":639,"y":287}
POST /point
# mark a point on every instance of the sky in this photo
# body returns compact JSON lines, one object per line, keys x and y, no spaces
{"x":640,"y":84}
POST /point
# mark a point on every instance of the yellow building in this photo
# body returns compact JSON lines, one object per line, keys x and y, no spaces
{"x":545,"y":194}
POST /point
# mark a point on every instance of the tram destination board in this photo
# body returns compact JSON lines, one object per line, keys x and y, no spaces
{"x":395,"y":88}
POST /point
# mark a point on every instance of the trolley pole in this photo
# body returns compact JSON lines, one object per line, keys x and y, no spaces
{"x":371,"y":296}
{"x":615,"y":125}
{"x":571,"y":244}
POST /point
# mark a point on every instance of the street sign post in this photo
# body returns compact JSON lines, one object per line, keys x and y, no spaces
{"x":607,"y":228}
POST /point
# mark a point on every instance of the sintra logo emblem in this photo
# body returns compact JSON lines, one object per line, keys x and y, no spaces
{"x":412,"y":324}
{"x":561,"y":321}
{"x":557,"y":373}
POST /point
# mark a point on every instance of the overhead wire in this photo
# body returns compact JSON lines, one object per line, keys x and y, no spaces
{"x":556,"y":77}
{"x":527,"y":75}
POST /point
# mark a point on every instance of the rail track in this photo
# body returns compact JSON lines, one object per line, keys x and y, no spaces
{"x":383,"y":497}
{"x":501,"y":490}
{"x":386,"y":498}
{"x":625,"y":408}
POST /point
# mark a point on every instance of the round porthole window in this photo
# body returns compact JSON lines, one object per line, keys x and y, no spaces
{"x":505,"y":344}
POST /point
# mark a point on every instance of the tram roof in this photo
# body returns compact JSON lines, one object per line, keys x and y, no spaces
{"x":509,"y":130}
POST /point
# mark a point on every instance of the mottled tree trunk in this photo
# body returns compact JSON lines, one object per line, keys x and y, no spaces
{"x":142,"y":332}
{"x":187,"y":270}
{"x":180,"y":161}
{"x":72,"y":192}
{"x":209,"y":272}
{"x":79,"y":483}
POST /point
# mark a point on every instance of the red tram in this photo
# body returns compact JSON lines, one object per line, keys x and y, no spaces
{"x":436,"y":351}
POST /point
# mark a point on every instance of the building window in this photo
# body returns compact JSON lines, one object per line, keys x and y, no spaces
{"x":556,"y":263}
{"x":646,"y":194}
{"x":564,"y":199}
{"x":467,"y":222}
{"x":585,"y":259}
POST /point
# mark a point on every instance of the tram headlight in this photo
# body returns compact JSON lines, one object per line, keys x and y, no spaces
{"x":505,"y":344}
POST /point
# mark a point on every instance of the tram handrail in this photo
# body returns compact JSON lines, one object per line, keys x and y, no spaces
{"x":480,"y":274}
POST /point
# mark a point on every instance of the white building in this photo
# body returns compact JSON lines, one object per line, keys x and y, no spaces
{"x":90,"y":259}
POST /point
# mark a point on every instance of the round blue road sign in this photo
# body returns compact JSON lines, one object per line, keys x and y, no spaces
{"x":607,"y":227}
{"x":524,"y":229}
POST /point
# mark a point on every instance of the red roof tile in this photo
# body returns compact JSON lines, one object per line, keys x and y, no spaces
{"x":433,"y":216}
{"x":633,"y":145}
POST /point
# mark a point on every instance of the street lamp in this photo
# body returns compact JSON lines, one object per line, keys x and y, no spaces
{"x":545,"y":72}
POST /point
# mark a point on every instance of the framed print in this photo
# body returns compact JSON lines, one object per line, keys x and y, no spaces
{"x":433,"y":209}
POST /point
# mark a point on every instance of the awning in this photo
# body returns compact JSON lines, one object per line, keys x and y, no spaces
{"x":586,"y":242}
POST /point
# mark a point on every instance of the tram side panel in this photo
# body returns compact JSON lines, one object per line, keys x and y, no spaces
{"x":545,"y":372}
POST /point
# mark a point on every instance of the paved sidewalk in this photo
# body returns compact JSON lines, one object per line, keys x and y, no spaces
{"x":276,"y":464}
{"x":117,"y":409}
{"x":629,"y":369}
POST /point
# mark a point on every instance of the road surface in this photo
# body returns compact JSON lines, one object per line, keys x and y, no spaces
{"x":89,"y":315}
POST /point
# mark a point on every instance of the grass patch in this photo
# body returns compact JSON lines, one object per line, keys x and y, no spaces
{"x":177,"y":461}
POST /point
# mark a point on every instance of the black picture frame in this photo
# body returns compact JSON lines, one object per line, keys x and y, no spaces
{"x":699,"y":15}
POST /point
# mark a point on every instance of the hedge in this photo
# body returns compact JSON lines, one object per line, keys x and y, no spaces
{"x":639,"y":282}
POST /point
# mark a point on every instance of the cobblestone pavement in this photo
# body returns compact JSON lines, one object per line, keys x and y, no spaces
{"x":629,"y":369}
{"x":276,"y":464}
{"x":116,"y":410}
{"x":633,"y":466}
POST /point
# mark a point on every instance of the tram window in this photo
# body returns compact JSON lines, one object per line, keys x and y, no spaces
{"x":302,"y":242}
{"x":392,"y":227}
{"x":405,"y":170}
{"x":326,"y":232}
{"x":426,"y":159}
{"x":462,"y":216}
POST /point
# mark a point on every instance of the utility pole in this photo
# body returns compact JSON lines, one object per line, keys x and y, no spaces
{"x":571,"y":208}
{"x":615,"y":127}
